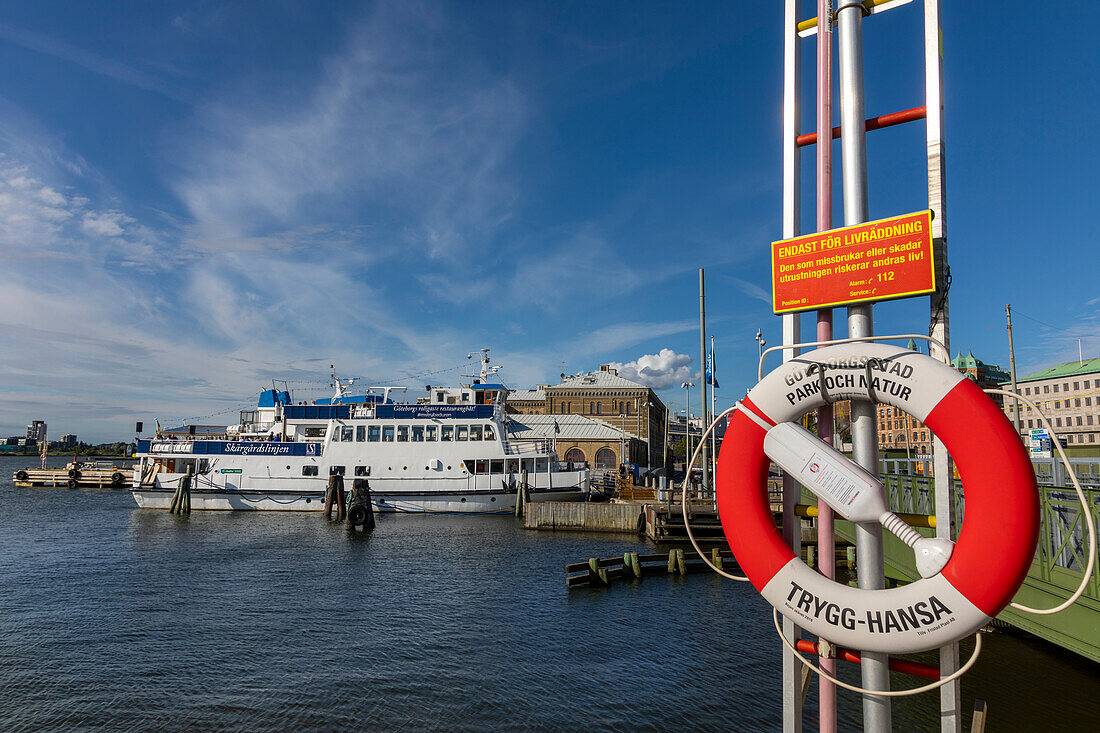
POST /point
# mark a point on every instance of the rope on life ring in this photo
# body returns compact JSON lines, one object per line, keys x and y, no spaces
{"x":976,"y":578}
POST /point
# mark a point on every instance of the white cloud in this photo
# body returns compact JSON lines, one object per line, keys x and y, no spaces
{"x":107,"y":224}
{"x":663,"y":370}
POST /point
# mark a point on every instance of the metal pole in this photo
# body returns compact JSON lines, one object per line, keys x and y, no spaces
{"x":871,"y":566}
{"x":826,"y":544}
{"x":703,"y":362}
{"x":940,"y":326}
{"x":792,"y":334}
{"x":1012,"y":370}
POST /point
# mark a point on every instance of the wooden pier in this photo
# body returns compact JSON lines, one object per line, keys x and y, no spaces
{"x":597,"y":572}
{"x":118,"y":477}
{"x":584,"y":516}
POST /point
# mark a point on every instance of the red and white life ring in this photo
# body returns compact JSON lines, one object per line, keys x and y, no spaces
{"x":995,"y":546}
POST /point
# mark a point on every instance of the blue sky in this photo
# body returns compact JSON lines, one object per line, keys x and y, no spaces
{"x":198,"y":197}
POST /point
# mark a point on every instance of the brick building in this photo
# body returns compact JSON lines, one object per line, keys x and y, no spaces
{"x":899,"y":431}
{"x":631,"y":408}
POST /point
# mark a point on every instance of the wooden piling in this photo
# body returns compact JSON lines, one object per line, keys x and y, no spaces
{"x":716,"y":557}
{"x":811,"y":553}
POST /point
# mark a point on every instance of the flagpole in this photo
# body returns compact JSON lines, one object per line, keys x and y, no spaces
{"x":714,"y":415}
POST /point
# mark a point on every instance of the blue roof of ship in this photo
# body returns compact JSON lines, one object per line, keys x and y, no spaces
{"x":488,"y":386}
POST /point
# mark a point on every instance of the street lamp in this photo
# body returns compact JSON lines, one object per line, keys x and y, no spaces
{"x":760,"y":349}
{"x":687,"y":425}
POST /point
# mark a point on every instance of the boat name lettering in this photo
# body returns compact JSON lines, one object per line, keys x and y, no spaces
{"x":434,"y":411}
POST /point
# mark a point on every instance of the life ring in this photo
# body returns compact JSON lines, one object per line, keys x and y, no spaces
{"x":117,"y":478}
{"x":74,"y":473}
{"x":995,"y":546}
{"x":71,"y":483}
{"x":21,"y":475}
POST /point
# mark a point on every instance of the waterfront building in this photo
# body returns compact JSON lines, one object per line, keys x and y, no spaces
{"x":606,"y":397}
{"x":577,"y":439}
{"x":36,"y":430}
{"x":899,"y":431}
{"x":1069,"y":394}
{"x":67,"y":441}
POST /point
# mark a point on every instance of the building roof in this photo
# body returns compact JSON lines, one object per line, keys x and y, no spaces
{"x":529,"y":395}
{"x":1069,"y":369}
{"x":562,"y":427}
{"x":598,"y":380}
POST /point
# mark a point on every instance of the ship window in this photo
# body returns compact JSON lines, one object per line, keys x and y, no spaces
{"x":540,"y":465}
{"x":465,"y":396}
{"x":387,"y":434}
{"x":482,"y":467}
{"x":360,"y":433}
{"x":346,"y":434}
{"x":362,"y":470}
{"x":513,"y":465}
{"x":336,"y":471}
{"x":314,"y":432}
{"x":439,"y":396}
{"x":462,"y":433}
{"x":475,"y":432}
{"x":418,"y":434}
{"x":446,"y":434}
{"x":429,"y":433}
{"x":496,"y":467}
{"x":402,"y":433}
{"x":374,"y":433}
{"x":309,"y":470}
{"x":489,"y":433}
{"x":528,"y":464}
{"x":468,"y":466}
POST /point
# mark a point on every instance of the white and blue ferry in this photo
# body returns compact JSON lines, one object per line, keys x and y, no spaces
{"x":450,"y":453}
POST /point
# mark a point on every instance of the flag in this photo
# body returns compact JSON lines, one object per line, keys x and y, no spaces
{"x":711,"y":379}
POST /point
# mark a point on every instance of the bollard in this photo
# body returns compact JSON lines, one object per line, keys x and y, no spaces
{"x":360,"y":510}
{"x":521,"y":493}
{"x":330,"y":496}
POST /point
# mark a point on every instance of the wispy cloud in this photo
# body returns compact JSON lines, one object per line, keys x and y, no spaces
{"x":400,"y":118}
{"x":91,"y":61}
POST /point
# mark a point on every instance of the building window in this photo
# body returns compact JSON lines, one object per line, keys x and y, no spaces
{"x":1078,"y":419}
{"x":1087,"y":385}
{"x":591,"y":408}
{"x":1092,"y":437}
{"x":1077,"y":402}
{"x":599,"y":407}
{"x":1088,"y":419}
{"x":1057,"y":422}
{"x":1075,"y":386}
{"x":1065,"y":387}
{"x":1088,"y":401}
{"x":1056,"y":389}
{"x":574,"y":456}
{"x":1046,"y":389}
{"x":605,"y":458}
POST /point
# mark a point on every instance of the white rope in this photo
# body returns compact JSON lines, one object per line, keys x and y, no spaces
{"x":883,"y":693}
{"x":1091,"y":564}
{"x":684,"y":493}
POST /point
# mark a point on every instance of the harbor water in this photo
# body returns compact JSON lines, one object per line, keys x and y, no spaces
{"x":113,"y":617}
